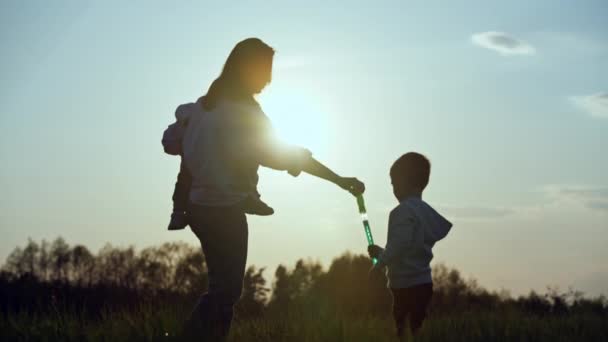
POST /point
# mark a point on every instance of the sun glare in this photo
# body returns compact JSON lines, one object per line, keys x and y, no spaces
{"x":296,"y":118}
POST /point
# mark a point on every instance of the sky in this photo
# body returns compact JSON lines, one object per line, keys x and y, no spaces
{"x":509,"y":101}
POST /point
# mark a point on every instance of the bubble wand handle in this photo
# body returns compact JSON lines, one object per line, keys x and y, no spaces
{"x":364,"y":218}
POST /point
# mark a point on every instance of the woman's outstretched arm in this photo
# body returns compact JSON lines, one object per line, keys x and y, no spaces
{"x":295,"y":160}
{"x":270,"y":152}
{"x":316,"y":168}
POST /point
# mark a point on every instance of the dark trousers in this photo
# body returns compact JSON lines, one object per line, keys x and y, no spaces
{"x":223,"y":233}
{"x":411,"y":304}
{"x":182,"y":189}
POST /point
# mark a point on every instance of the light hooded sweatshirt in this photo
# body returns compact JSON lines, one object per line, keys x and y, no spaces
{"x":223,"y":149}
{"x":413,"y":229}
{"x":173,"y":136}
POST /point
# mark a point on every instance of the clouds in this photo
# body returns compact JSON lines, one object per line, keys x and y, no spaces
{"x":476,"y":212}
{"x":592,"y":198}
{"x":554,"y":198}
{"x":502,"y":43}
{"x":283,"y":63}
{"x":595,"y":105}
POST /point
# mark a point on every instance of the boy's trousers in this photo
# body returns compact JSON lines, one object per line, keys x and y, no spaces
{"x":411,"y":304}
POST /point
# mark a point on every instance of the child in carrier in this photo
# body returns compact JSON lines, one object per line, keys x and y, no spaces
{"x":172,"y":144}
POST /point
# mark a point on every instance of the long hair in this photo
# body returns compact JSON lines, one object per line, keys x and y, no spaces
{"x":230,"y":84}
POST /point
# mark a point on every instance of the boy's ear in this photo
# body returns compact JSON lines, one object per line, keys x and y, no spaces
{"x":398,"y":182}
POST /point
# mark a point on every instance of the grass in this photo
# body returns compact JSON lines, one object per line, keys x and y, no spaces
{"x":149,"y":323}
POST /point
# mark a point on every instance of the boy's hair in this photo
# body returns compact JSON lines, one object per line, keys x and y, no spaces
{"x":412,"y":168}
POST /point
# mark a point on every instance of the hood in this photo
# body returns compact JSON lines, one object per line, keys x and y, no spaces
{"x":184,"y":112}
{"x":436,"y":227}
{"x":439,"y":227}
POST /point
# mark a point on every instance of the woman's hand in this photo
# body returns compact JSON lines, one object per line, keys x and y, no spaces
{"x":352,"y":185}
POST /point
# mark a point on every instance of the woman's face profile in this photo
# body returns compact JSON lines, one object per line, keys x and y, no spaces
{"x":258,"y":74}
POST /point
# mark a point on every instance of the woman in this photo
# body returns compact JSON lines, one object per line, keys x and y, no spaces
{"x":227,"y":138}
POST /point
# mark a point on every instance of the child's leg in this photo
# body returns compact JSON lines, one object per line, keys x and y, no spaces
{"x":401,"y":309}
{"x":255,"y":206}
{"x":181,"y":196}
{"x":420,"y":298}
{"x":182,"y":189}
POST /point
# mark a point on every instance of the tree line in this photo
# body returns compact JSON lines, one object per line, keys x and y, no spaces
{"x":49,"y":275}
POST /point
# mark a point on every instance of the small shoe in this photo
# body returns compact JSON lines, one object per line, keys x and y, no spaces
{"x":178,"y":221}
{"x":255,"y":206}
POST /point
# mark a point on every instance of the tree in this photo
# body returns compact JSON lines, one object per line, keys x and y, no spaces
{"x":60,"y":260}
{"x":83,"y":264}
{"x":280,"y":289}
{"x":347,"y":287}
{"x":190,"y":272}
{"x":255,"y":293}
{"x":116,"y":267}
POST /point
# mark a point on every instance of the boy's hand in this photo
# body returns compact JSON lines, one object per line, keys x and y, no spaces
{"x":374,"y":251}
{"x":352,"y":185}
{"x":376,"y":274}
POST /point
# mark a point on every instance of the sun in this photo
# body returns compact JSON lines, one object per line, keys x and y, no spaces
{"x":296,"y":118}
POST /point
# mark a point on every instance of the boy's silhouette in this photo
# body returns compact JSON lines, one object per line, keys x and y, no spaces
{"x":414,"y":228}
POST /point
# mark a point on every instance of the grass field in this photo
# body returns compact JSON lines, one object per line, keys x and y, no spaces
{"x":151,"y":324}
{"x":120,"y":295}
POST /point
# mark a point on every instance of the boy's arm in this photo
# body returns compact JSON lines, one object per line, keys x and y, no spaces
{"x":400,"y":236}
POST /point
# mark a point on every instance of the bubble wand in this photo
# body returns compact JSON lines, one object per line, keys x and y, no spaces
{"x":368,"y":231}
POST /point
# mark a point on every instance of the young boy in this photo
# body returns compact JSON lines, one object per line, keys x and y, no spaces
{"x":172,"y":144}
{"x":413,"y":229}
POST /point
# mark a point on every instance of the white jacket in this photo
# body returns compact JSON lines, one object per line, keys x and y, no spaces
{"x":413,"y":229}
{"x":174,"y":134}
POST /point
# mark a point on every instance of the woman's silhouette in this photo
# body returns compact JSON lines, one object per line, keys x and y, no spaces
{"x":227,"y":138}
